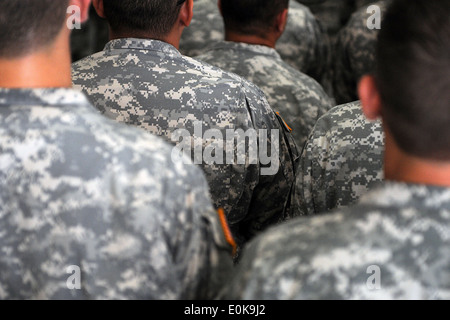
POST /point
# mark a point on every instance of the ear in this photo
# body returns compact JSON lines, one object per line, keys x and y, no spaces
{"x":281,"y":21}
{"x":186,"y":13}
{"x":98,"y":5}
{"x":370,"y":97}
{"x":84,"y":8}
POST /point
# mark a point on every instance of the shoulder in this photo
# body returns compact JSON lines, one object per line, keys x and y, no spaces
{"x":248,"y":90}
{"x":341,"y":120}
{"x":88,"y":62}
{"x":136,"y":152}
{"x":344,"y":139}
{"x":300,"y":15}
{"x":273,"y":266}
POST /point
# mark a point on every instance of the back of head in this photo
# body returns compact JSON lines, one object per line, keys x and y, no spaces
{"x":29,"y":25}
{"x":155,"y":17}
{"x":252,"y":17}
{"x":412,"y":75}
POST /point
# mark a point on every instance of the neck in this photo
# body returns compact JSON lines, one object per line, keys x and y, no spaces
{"x":402,"y":167}
{"x":269,"y":41}
{"x":172,"y":38}
{"x":47,"y":68}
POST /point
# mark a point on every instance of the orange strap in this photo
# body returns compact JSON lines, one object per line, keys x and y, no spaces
{"x":287,"y":126}
{"x":226,"y":230}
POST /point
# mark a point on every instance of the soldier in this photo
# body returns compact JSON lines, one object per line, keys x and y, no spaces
{"x":395,"y":243}
{"x":147,"y":83}
{"x":355,"y":53}
{"x":302,"y":44}
{"x":252,"y":30}
{"x":341,"y":161}
{"x":89,"y":208}
{"x":332,"y":15}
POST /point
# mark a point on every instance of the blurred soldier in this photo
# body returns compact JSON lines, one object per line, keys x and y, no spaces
{"x":302,"y":44}
{"x":395,"y":243}
{"x":333,"y":15}
{"x":89,"y":208}
{"x":146,"y":82}
{"x":342,"y":160}
{"x":90,"y":38}
{"x":251,"y":32}
{"x":355,"y":52}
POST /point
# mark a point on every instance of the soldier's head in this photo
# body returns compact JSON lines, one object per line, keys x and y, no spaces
{"x":410,"y":88}
{"x":155,"y":19}
{"x":27,"y":26}
{"x":260,"y":18}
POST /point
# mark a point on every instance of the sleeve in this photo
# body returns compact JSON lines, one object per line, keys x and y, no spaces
{"x":203,"y":248}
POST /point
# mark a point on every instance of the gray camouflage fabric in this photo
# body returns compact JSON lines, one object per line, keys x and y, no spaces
{"x":149,"y":84}
{"x":354,"y":54}
{"x":302,"y":44}
{"x":78,"y":189}
{"x":393,"y":245}
{"x":341,"y":161}
{"x":298,"y":97}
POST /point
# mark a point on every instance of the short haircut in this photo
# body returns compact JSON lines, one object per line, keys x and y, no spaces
{"x":252,"y":17}
{"x":413,"y":76}
{"x":29,"y":25}
{"x":154,"y":17}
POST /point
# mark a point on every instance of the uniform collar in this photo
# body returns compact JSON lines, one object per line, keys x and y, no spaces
{"x":42,"y":97}
{"x":252,"y":48}
{"x":390,"y":194}
{"x":142,"y":44}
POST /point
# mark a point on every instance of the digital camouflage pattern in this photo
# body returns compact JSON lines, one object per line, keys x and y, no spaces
{"x":149,"y":84}
{"x":298,"y":97}
{"x":78,"y":189}
{"x":302,"y":45}
{"x":354,"y":54}
{"x":393,"y":245}
{"x":342,"y":160}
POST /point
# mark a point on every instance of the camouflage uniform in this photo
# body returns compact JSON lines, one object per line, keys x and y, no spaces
{"x":354,"y":55}
{"x":297,"y":96}
{"x":394,"y":244}
{"x":78,"y":189}
{"x":342,"y":160}
{"x":149,"y":84}
{"x":302,"y":45}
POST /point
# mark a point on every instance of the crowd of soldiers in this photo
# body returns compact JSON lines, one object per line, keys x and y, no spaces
{"x":230,"y":149}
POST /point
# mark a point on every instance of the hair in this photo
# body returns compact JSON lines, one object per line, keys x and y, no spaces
{"x":29,"y":25}
{"x":412,"y":74}
{"x":155,"y":17}
{"x":254,"y":17}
